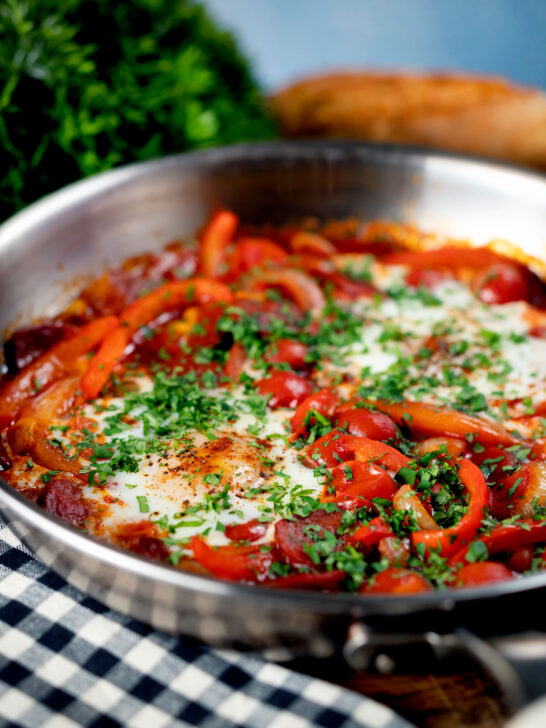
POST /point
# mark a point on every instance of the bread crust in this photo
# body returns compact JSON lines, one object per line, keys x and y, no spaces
{"x":485,"y":116}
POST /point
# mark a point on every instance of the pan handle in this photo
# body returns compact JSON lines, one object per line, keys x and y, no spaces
{"x":517,"y":662}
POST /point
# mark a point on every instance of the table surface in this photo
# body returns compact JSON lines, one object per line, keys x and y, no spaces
{"x":455,"y":696}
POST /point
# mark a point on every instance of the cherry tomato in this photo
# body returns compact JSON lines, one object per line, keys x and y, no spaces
{"x":287,"y":351}
{"x":396,"y":581}
{"x":371,"y":533}
{"x":496,"y":463}
{"x":539,"y":332}
{"x":501,"y":283}
{"x":324,"y":401}
{"x":482,"y":572}
{"x":329,"y":450}
{"x":248,"y":531}
{"x":253,"y":252}
{"x":367,"y":423}
{"x":426,"y":277}
{"x":508,"y":493}
{"x":521,"y":560}
{"x":394,"y":550}
{"x":286,"y":389}
{"x":337,"y":446}
{"x":359,"y":478}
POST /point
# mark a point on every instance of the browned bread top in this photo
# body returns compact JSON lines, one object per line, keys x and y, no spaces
{"x":485,"y":116}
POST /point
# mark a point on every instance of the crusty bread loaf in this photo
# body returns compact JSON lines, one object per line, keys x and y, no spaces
{"x":484,"y":116}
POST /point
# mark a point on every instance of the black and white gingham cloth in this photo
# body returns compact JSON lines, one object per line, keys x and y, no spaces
{"x":67,"y":661}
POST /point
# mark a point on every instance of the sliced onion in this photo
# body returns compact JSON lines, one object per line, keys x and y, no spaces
{"x":305,"y":242}
{"x":535,"y":492}
{"x":300,"y":287}
{"x":406,"y":499}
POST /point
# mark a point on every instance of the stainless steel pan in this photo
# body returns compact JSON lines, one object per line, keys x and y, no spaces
{"x":49,"y":249}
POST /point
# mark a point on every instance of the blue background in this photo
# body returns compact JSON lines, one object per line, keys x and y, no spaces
{"x":287,"y":39}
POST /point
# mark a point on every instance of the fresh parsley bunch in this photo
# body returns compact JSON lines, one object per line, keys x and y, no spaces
{"x":89,"y":84}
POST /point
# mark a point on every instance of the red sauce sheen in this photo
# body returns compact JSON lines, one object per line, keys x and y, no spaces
{"x":324,"y":408}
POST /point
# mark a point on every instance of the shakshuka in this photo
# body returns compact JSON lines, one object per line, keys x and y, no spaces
{"x":332,"y":407}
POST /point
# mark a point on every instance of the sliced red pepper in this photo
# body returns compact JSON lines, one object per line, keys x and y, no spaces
{"x":54,"y":401}
{"x":31,"y":437}
{"x":169,"y":297}
{"x":427,"y":420}
{"x":324,"y":402}
{"x":216,"y":237}
{"x":506,"y":538}
{"x":237,"y":563}
{"x":313,"y":244}
{"x":55,"y":364}
{"x":301,"y":288}
{"x":336,"y":446}
{"x":449,"y":540}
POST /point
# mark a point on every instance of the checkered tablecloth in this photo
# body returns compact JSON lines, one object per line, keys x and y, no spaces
{"x":66,"y":661}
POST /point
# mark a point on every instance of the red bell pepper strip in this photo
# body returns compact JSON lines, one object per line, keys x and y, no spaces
{"x":450,"y":257}
{"x":372,"y":533}
{"x":54,"y":401}
{"x":168,"y":297}
{"x":237,"y":563}
{"x":430,"y":421}
{"x":301,"y":288}
{"x":506,"y":538}
{"x":55,"y":364}
{"x":312,"y":244}
{"x":324,"y":402}
{"x":216,"y":237}
{"x":31,"y":437}
{"x":449,"y":540}
{"x":336,"y":446}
